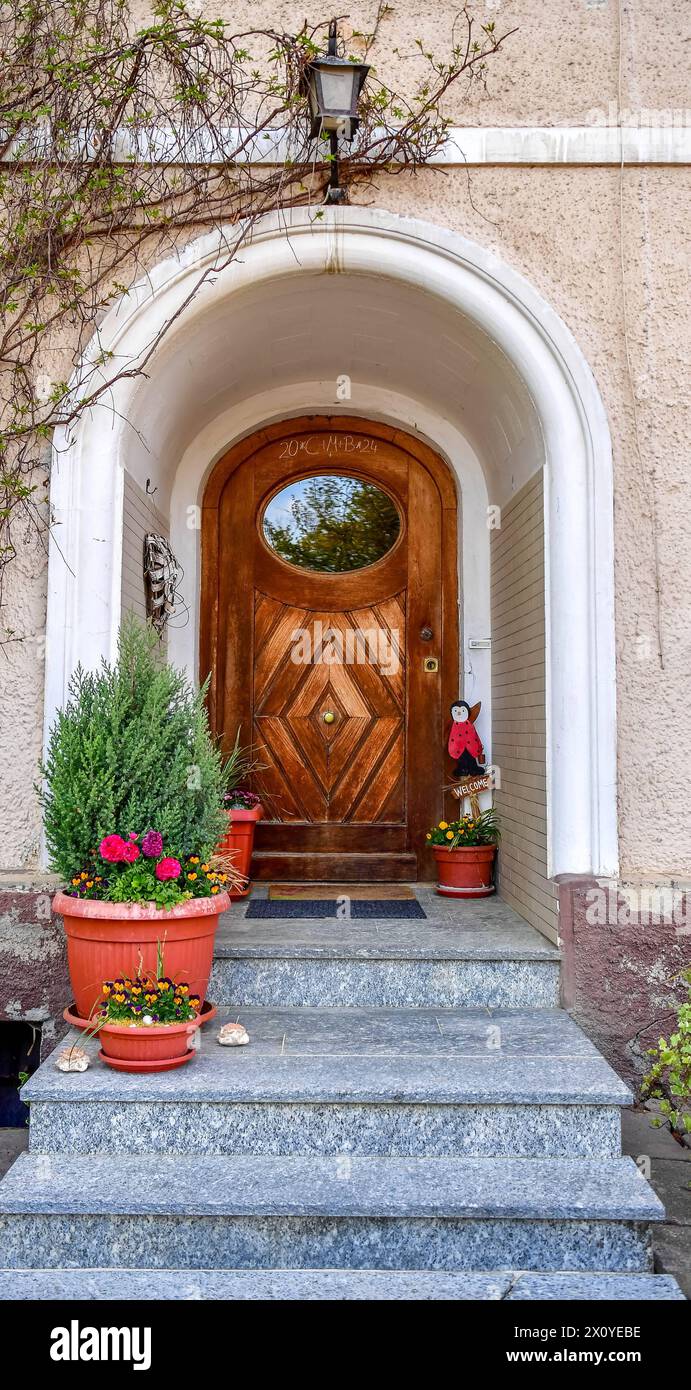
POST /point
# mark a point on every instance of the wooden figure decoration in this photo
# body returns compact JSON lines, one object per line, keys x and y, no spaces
{"x":466,"y":749}
{"x":464,"y":741}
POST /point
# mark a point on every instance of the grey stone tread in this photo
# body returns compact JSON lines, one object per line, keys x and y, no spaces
{"x":573,"y":1287}
{"x":435,"y":1056}
{"x":235,"y":1285}
{"x":437,"y":938}
{"x":336,"y":1285}
{"x":211,"y":1185}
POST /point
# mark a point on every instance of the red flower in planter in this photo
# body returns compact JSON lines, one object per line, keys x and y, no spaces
{"x":130,"y":852}
{"x":112,"y":848}
{"x":168,"y":868}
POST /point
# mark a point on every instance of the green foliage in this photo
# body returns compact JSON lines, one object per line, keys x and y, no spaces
{"x":131,"y":751}
{"x":669,"y":1080}
{"x":238,"y":768}
{"x":468,"y":831}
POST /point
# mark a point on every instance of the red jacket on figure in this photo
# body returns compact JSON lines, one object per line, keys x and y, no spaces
{"x":464,"y":741}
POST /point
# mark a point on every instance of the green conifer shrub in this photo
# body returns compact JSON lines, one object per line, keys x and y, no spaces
{"x":131,"y":751}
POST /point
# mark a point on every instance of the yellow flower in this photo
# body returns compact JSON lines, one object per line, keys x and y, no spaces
{"x":205,"y":868}
{"x":106,"y":990}
{"x":194,"y":859}
{"x":215,"y":888}
{"x":449,"y":834}
{"x":443,"y":825}
{"x":75,"y":881}
{"x":428,"y":836}
{"x":191,"y":877}
{"x":82,"y":875}
{"x":89,"y":883}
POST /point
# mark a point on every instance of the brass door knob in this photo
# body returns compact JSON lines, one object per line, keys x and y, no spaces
{"x":328,"y":716}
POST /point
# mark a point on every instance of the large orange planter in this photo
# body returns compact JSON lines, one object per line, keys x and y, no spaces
{"x":105,"y":940}
{"x":465,"y":873}
{"x":147,"y":1049}
{"x":239,"y":841}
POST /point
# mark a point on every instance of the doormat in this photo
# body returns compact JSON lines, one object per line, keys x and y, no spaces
{"x":265,"y":908}
{"x":315,"y":892}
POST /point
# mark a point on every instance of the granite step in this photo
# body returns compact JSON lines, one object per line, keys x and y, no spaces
{"x":410,"y":1083}
{"x":259,"y":1212}
{"x":450,"y":960}
{"x":328,"y":1285}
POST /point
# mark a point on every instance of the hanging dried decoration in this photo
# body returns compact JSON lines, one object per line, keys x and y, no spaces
{"x":162,"y":574}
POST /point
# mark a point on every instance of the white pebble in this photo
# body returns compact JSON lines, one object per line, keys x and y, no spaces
{"x":233,"y":1035}
{"x":72,"y":1059}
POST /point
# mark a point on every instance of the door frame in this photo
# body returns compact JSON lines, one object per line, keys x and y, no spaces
{"x":211,"y":666}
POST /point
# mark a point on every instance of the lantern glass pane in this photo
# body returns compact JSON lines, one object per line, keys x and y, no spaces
{"x":337,"y":89}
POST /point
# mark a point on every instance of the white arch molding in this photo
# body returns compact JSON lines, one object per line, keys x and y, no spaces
{"x":501,"y":309}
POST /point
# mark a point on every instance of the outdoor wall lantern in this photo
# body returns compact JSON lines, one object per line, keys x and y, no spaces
{"x":333,"y":87}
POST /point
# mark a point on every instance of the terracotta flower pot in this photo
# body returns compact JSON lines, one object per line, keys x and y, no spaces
{"x":105,"y":940}
{"x":239,"y":840}
{"x":465,"y":872}
{"x":153,"y":1048}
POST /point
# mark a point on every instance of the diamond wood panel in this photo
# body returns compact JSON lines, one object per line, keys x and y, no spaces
{"x":352,"y":770}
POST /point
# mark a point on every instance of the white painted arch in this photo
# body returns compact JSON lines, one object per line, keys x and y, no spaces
{"x":463,"y":350}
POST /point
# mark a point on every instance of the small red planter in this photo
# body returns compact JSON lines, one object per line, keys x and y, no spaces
{"x":239,"y":841}
{"x":156,"y":1048}
{"x":105,"y":940}
{"x":70,"y":1015}
{"x":467,"y":872}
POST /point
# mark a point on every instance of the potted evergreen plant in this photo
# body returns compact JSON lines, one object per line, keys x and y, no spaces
{"x":465,"y":851}
{"x":131,"y":794}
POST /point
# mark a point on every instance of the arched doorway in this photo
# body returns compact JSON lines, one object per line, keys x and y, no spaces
{"x":438,"y":337}
{"x":329,"y":633}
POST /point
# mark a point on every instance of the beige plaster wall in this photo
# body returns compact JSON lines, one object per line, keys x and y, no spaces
{"x":559,"y":66}
{"x":592,"y":241}
{"x":561,"y":229}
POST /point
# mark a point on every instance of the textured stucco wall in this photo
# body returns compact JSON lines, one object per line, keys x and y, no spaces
{"x":22,"y":654}
{"x":590,"y":240}
{"x":560,"y":66}
{"x":561,"y":229}
{"x":522,"y":214}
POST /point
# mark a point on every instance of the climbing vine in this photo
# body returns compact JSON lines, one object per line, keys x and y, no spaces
{"x":119,"y":141}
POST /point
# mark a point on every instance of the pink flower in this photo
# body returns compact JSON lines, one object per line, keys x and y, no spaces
{"x":168,"y":868}
{"x":112,"y":848}
{"x":152,"y":844}
{"x":130,"y":852}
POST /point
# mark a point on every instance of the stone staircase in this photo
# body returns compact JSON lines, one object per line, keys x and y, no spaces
{"x":415,"y":1118}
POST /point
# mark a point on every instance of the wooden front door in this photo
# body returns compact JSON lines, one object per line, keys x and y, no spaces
{"x":329,"y":629}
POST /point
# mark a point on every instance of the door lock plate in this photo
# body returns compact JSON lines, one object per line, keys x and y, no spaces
{"x":430,"y":665}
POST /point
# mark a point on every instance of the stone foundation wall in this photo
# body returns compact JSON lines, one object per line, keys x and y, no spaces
{"x":624,"y":945}
{"x":34,"y":984}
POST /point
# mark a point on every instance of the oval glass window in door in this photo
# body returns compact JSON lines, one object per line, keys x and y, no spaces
{"x":331,"y":522}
